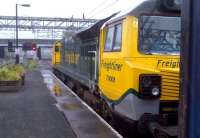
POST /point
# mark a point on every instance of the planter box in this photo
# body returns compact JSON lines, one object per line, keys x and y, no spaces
{"x":10,"y":85}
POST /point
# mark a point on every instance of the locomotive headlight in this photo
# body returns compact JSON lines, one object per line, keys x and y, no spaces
{"x":149,"y":86}
{"x":155,"y":91}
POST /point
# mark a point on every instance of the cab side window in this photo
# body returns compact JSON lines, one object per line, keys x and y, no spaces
{"x":109,"y":39}
{"x":56,"y":49}
{"x":114,"y":38}
{"x":118,"y":37}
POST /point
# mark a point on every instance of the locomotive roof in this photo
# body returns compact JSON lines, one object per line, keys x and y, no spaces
{"x":144,"y":7}
{"x":148,"y":6}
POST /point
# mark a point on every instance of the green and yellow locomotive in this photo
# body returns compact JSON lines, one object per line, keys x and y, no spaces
{"x":127,"y":65}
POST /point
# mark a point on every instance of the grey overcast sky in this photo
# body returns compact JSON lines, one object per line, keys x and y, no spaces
{"x":66,"y":8}
{"x":61,"y":8}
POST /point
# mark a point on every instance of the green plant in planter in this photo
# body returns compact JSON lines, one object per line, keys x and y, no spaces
{"x":17,"y":68}
{"x":8,"y":75}
{"x":31,"y":64}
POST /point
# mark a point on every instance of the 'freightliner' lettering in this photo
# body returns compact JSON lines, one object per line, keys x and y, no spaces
{"x":112,"y":66}
{"x":168,"y":64}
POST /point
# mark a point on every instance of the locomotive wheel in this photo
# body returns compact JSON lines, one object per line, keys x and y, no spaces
{"x":143,"y":128}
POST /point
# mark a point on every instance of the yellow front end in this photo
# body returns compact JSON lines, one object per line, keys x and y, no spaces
{"x":56,"y":55}
{"x":120,"y":71}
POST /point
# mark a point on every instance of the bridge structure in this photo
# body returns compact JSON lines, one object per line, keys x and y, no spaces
{"x":40,"y":42}
{"x":44,"y":27}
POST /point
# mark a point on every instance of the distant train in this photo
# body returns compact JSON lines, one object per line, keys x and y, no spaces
{"x":127,"y":65}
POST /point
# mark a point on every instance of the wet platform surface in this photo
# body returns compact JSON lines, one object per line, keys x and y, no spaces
{"x":31,"y":112}
{"x":85,"y":123}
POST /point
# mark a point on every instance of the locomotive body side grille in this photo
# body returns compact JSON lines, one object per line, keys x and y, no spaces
{"x":170,"y":85}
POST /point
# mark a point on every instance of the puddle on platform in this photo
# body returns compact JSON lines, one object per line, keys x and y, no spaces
{"x":52,"y":83}
{"x":71,"y":106}
{"x":66,"y":97}
{"x":68,"y":106}
{"x":68,"y":102}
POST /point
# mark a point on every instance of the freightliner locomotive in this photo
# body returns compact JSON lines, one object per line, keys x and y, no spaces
{"x":127,"y":66}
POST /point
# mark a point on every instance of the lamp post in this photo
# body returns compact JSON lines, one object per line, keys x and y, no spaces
{"x":17,"y":50}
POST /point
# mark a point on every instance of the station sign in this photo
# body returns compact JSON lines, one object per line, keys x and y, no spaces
{"x":10,"y":47}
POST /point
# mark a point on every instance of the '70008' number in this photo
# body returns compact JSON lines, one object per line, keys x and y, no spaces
{"x":110,"y":78}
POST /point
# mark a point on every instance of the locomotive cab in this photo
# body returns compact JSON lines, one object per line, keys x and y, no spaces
{"x":139,"y":62}
{"x":56,"y":56}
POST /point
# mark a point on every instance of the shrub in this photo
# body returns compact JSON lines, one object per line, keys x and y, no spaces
{"x":7,"y":74}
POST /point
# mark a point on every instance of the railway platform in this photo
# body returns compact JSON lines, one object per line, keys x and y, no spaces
{"x":35,"y":112}
{"x":84,"y":121}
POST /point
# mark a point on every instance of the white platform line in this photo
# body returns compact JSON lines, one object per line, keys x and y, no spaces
{"x":100,"y":118}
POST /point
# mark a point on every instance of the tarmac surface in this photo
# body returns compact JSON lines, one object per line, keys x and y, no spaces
{"x":31,"y":112}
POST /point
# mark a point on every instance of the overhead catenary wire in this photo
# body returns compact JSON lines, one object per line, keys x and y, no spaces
{"x":100,"y":12}
{"x":98,"y":6}
{"x":104,"y":8}
{"x":111,"y":4}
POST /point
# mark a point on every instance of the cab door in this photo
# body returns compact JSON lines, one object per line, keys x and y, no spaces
{"x":56,"y":59}
{"x":111,"y":60}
